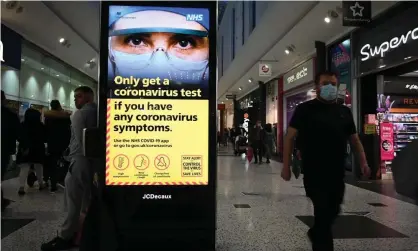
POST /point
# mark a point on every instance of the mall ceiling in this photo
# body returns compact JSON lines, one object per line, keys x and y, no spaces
{"x":44,"y":23}
{"x":284,"y":24}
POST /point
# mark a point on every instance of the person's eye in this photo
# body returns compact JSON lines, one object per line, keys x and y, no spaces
{"x":135,"y":41}
{"x":185,"y":43}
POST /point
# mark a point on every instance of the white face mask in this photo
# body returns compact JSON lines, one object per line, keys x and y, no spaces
{"x":159,"y":64}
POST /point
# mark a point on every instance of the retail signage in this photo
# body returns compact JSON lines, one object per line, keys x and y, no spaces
{"x":221,"y":107}
{"x":231,"y":96}
{"x":369,"y":129}
{"x":10,"y":48}
{"x":1,"y":51}
{"x":386,"y":142}
{"x":300,"y":75}
{"x":404,"y":102}
{"x":400,"y":88}
{"x":368,"y":51}
{"x":341,"y":63}
{"x":264,"y":70}
{"x":357,"y":13}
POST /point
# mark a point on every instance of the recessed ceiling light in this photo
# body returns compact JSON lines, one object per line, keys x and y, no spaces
{"x":61,"y":40}
{"x":69,"y":80}
{"x":23,"y":60}
{"x":415,"y":71}
{"x":226,"y":98}
{"x":42,"y":68}
{"x":382,"y":66}
{"x":222,"y":102}
{"x":79,"y":85}
{"x":250,"y":80}
{"x":239,"y":88}
{"x":287,"y":51}
{"x":408,"y":58}
{"x":327,"y":19}
{"x":58,"y":75}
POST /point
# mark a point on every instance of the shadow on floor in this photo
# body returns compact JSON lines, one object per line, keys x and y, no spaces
{"x":357,"y":227}
{"x":9,"y":226}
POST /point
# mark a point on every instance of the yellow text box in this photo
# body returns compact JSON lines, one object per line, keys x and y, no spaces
{"x":148,"y":141}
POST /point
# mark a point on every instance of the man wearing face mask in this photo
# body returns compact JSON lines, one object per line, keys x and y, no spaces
{"x":323,"y":128}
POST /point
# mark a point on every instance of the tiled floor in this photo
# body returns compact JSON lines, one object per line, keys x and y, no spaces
{"x":256,"y":211}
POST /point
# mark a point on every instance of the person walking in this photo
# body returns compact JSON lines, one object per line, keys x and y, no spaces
{"x":58,"y":130}
{"x":269,"y":141}
{"x":9,"y":133}
{"x":323,"y":128}
{"x":79,"y":179}
{"x":256,"y":138}
{"x":31,"y":150}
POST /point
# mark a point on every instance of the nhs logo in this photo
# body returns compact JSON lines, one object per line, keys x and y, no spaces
{"x":194,"y":17}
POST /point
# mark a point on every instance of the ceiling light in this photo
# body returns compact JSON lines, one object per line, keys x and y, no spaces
{"x":415,"y":71}
{"x":382,"y":66}
{"x":69,"y":80}
{"x":23,"y":60}
{"x":239,"y":88}
{"x":42,"y":68}
{"x":408,"y":58}
{"x":222,"y":102}
{"x":226,"y":98}
{"x":287,"y":51}
{"x":61,"y":40}
{"x":250,"y":80}
{"x":79,"y":85}
{"x":58,"y":75}
{"x":327,"y":19}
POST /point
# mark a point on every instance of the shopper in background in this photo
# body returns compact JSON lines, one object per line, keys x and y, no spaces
{"x":9,"y":133}
{"x":79,"y":179}
{"x":323,"y":128}
{"x":58,"y":129}
{"x":256,"y":139}
{"x":269,"y":141}
{"x":31,"y":150}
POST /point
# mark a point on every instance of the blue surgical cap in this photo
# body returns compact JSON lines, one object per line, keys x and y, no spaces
{"x":116,"y":12}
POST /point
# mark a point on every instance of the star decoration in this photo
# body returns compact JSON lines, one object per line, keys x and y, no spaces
{"x":357,"y":10}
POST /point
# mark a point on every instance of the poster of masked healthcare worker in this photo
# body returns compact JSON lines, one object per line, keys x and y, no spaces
{"x":157,"y":128}
{"x":163,"y":48}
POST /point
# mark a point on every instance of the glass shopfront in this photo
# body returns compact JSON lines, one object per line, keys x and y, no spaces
{"x":386,"y":59}
{"x":38,"y":79}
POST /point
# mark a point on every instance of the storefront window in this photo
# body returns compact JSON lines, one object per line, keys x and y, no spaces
{"x":41,"y":79}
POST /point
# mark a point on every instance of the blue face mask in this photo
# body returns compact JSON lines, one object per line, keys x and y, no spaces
{"x":160,"y":64}
{"x":328,"y":92}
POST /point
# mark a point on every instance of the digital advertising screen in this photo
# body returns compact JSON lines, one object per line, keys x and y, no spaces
{"x":157,"y":119}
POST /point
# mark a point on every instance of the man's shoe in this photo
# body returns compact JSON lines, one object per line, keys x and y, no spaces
{"x":57,"y":244}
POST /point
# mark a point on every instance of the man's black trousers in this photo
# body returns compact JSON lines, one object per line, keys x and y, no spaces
{"x":327,"y":197}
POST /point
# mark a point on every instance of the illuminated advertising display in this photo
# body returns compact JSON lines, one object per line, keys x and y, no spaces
{"x":386,"y":141}
{"x":157,"y":96}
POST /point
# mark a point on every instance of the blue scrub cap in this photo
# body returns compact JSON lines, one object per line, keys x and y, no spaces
{"x":116,"y":12}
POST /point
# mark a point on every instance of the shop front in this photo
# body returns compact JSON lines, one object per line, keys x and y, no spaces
{"x":272,"y":93}
{"x":298,"y":87}
{"x":248,"y":111}
{"x":31,"y":77}
{"x":386,"y":59}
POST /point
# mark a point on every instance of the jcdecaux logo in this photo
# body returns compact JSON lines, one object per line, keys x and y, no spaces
{"x":156,"y":197}
{"x":194,"y":17}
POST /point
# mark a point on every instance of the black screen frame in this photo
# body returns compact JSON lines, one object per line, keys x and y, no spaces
{"x":183,"y":196}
